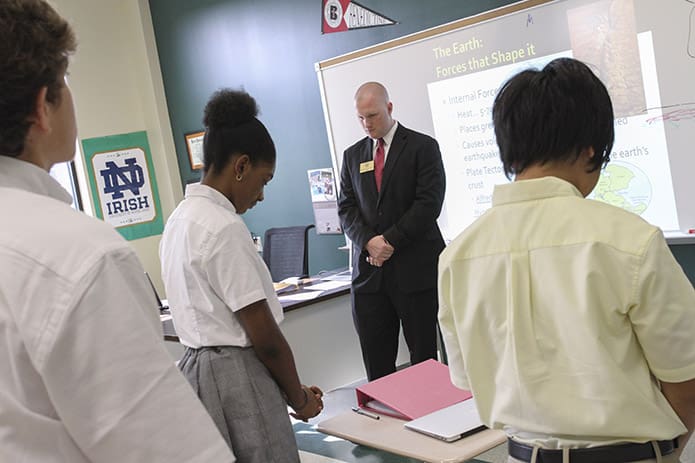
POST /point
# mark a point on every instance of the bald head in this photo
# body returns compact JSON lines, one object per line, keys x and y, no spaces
{"x":372,"y":90}
{"x":374,"y":109}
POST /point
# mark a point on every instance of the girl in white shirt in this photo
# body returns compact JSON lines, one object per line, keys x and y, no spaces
{"x":221,"y":294}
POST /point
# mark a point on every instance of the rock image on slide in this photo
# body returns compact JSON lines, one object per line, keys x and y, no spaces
{"x":604,"y":35}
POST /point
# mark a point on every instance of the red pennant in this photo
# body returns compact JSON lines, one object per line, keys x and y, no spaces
{"x":342,"y":15}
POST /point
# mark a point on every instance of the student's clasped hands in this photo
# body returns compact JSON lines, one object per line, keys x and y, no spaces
{"x":313,"y":405}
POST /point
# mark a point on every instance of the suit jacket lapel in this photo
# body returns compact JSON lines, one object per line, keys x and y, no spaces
{"x":397,"y":145}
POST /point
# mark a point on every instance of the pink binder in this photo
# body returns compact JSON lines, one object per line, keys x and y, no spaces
{"x":412,"y":392}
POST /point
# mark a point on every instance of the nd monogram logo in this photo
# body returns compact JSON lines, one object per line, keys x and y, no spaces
{"x":117,"y":179}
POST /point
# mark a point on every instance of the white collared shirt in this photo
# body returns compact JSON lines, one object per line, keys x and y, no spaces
{"x":211,"y":269}
{"x":556,"y":311}
{"x":388,"y":138}
{"x":84,"y":374}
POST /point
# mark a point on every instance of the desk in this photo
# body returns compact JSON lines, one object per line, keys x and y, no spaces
{"x":287,"y":306}
{"x":389,"y":434}
{"x":323,"y":339}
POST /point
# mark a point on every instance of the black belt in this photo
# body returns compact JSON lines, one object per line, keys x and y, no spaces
{"x":620,"y":453}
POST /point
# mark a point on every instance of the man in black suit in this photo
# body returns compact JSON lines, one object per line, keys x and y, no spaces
{"x":392,"y":188}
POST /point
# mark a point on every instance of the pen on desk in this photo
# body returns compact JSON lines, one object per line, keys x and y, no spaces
{"x":365,"y":413}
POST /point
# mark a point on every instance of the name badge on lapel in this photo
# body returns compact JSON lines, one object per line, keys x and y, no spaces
{"x":366,"y":166}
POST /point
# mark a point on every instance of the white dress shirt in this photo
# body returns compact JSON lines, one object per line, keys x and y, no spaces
{"x":557,"y":310}
{"x":211,"y":269}
{"x":388,"y":139}
{"x":84,"y":374}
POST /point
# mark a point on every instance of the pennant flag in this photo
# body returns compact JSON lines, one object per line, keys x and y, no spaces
{"x":342,"y":15}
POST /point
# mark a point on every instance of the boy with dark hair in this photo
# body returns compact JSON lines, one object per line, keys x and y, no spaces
{"x":569,"y":319}
{"x":84,"y":375}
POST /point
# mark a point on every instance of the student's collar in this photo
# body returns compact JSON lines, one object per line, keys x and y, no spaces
{"x":205,"y":191}
{"x":23,"y":175}
{"x":533,"y":189}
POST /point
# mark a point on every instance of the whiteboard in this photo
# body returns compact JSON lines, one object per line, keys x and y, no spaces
{"x":442,"y":82}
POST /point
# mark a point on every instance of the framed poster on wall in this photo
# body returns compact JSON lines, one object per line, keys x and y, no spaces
{"x":194,"y":146}
{"x":123,"y":184}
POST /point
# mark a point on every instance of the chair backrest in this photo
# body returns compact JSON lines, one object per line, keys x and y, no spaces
{"x":286,"y":252}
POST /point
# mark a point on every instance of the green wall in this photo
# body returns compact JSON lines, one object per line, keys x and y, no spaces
{"x":269,"y":47}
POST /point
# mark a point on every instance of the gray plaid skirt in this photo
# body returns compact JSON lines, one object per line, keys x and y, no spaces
{"x":244,"y":401}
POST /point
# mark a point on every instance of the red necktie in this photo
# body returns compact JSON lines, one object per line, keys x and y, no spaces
{"x":379,"y":162}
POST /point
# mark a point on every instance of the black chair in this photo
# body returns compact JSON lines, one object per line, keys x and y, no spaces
{"x":286,"y":251}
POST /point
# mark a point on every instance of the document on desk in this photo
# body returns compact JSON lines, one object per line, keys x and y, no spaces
{"x":344,"y":276}
{"x":326,"y":286}
{"x":301,"y":296}
{"x":285,"y":287}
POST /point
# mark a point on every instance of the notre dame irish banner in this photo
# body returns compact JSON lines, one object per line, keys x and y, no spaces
{"x":123,"y":184}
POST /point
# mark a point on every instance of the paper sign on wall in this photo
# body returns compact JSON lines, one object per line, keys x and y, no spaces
{"x":324,"y":201}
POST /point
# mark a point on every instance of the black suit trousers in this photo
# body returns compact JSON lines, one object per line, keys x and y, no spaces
{"x":378,"y":318}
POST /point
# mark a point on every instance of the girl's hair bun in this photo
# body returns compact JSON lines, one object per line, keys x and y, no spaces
{"x":229,"y":108}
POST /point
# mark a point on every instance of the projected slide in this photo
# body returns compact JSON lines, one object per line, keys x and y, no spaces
{"x":638,"y":178}
{"x":443,"y":83}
